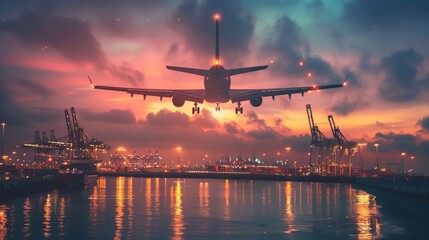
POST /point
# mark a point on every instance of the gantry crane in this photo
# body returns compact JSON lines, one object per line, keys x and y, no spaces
{"x":346,"y":147}
{"x":319,"y":141}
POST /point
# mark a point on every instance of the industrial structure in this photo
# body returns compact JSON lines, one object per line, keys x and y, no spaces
{"x":325,"y":147}
{"x":321,"y":143}
{"x":346,"y":148}
{"x":77,"y":144}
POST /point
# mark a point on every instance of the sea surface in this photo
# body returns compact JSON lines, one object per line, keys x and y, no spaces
{"x":162,"y":208}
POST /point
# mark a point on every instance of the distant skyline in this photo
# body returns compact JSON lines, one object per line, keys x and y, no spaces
{"x":47,"y":49}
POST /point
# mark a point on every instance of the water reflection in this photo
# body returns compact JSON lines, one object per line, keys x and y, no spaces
{"x":367,"y":224}
{"x":227,"y":210}
{"x":156,"y":201}
{"x":47,"y":217}
{"x":119,"y":217}
{"x":289,"y":214}
{"x":154,"y":208}
{"x":130,"y":210}
{"x":26,"y":213}
{"x":204,"y":199}
{"x":177,"y":224}
{"x":62,"y":215}
{"x":3,"y":222}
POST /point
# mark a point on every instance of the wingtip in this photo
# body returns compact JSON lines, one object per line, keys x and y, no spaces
{"x":90,"y":80}
{"x":345,"y":80}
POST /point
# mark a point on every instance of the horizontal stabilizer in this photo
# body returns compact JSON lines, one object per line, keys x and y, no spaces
{"x":196,"y":71}
{"x":236,"y":71}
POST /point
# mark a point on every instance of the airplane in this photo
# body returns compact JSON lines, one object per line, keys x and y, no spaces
{"x":217,"y":86}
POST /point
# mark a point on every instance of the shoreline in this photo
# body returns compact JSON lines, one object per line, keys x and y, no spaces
{"x":235,"y":176}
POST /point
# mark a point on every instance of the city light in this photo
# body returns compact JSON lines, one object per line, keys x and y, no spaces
{"x":376,"y":145}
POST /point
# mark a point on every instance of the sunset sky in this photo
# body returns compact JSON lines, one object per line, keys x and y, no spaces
{"x":47,"y":49}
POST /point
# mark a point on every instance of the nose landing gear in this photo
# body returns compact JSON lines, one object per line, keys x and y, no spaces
{"x":239,"y":108}
{"x":196,"y":109}
{"x":217,"y":108}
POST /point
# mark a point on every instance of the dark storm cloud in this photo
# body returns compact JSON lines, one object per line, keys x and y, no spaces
{"x":37,"y":88}
{"x":116,"y":116}
{"x":71,"y":37}
{"x":401,"y":84}
{"x":286,"y":45}
{"x":424,"y":123}
{"x":346,"y":106}
{"x":410,"y":144}
{"x":366,"y":14}
{"x":13,"y":113}
{"x":398,"y":142}
{"x":193,"y":21}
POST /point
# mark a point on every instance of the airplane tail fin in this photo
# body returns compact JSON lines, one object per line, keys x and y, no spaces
{"x":237,"y":71}
{"x":217,"y":39}
{"x":196,"y":71}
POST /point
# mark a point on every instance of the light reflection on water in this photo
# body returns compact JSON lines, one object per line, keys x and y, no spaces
{"x":154,"y":208}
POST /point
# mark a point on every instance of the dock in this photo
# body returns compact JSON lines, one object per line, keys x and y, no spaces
{"x":23,"y":186}
{"x":411,"y":186}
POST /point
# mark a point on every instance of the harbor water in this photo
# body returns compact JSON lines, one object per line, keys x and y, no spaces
{"x":165,"y":208}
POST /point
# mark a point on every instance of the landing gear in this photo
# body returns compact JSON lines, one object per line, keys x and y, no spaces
{"x":239,"y":108}
{"x":196,"y":109}
{"x":217,"y":108}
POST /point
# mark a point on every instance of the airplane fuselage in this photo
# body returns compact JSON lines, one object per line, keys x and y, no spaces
{"x":217,"y":85}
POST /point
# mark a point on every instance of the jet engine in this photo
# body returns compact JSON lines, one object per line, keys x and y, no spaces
{"x":256,"y":101}
{"x":178,"y":102}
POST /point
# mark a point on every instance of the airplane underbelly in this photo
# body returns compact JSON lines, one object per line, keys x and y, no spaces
{"x":217,"y":91}
{"x":217,"y":98}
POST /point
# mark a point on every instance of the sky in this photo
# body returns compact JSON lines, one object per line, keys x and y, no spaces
{"x":48,"y":48}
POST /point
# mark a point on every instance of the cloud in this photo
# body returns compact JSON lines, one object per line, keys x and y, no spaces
{"x":286,"y":45}
{"x":232,"y":127}
{"x":264,"y":134}
{"x":253,"y":118}
{"x":398,"y":142}
{"x":379,"y":124}
{"x":401,"y":84}
{"x":14,"y":114}
{"x":366,"y":14}
{"x":346,"y":106}
{"x":412,"y":145}
{"x":193,"y":22}
{"x":167,"y":118}
{"x":424,"y":123}
{"x":71,"y":37}
{"x":205,"y":120}
{"x":116,"y":116}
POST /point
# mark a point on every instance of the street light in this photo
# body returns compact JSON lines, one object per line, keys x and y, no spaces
{"x":179,"y":150}
{"x":361,"y":145}
{"x":412,"y":158}
{"x":3,"y":125}
{"x":403,"y":157}
{"x":376,"y":152}
{"x":287,"y":153}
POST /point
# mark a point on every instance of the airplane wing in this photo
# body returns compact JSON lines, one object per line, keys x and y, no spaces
{"x":193,"y":95}
{"x":239,"y":95}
